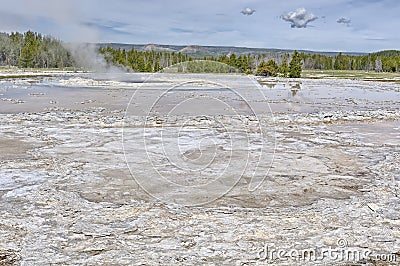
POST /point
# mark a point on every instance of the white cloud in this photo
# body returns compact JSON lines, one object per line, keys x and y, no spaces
{"x":345,"y":21}
{"x":299,"y":18}
{"x":248,"y":11}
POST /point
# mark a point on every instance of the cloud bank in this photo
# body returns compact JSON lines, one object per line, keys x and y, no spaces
{"x":210,"y":22}
{"x":299,"y":18}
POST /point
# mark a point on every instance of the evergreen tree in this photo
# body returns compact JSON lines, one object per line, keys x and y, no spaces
{"x":148,"y":67}
{"x":295,"y":66}
{"x":267,"y":69}
{"x":29,"y":50}
{"x":157,"y":66}
{"x":33,"y":50}
{"x":232,"y":60}
{"x":284,"y":68}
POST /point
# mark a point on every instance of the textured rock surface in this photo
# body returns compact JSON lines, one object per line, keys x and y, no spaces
{"x":68,"y":197}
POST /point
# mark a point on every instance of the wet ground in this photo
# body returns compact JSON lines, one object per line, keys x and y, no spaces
{"x":197,"y":169}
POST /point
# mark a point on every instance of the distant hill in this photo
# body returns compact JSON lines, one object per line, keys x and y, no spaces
{"x":157,"y":48}
{"x":389,"y":53}
{"x":201,"y":51}
{"x":193,"y":49}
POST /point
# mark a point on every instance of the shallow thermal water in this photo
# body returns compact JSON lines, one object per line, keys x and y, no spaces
{"x":196,"y":169}
{"x":323,"y":95}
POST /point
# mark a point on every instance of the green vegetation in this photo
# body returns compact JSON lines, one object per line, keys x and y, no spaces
{"x":200,"y":66}
{"x":284,"y":68}
{"x":153,"y":61}
{"x":142,"y":61}
{"x":295,"y":66}
{"x":261,"y":64}
{"x":384,"y":61}
{"x":32,"y":50}
{"x":352,"y":74}
{"x":268,"y":69}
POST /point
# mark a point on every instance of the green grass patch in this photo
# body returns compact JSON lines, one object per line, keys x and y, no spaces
{"x":352,"y":74}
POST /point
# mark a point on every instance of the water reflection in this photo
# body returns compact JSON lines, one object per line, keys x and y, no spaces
{"x":295,"y":88}
{"x":270,"y":85}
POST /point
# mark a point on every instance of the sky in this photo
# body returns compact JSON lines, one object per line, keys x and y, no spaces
{"x":318,"y":25}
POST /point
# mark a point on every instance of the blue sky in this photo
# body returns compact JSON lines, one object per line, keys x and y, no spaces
{"x":322,"y":25}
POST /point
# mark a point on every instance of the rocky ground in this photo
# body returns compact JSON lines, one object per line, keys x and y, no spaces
{"x":87,"y":178}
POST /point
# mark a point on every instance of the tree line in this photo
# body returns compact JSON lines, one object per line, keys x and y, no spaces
{"x":286,"y":65}
{"x":32,"y":50}
{"x":153,"y":61}
{"x":271,"y":68}
{"x":385,"y":61}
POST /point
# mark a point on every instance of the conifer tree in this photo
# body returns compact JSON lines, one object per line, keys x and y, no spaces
{"x":295,"y":66}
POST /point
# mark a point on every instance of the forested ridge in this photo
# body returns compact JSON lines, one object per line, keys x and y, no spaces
{"x":33,"y":50}
{"x":152,"y":61}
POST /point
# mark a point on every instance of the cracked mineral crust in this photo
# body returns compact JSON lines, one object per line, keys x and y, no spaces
{"x":111,"y":172}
